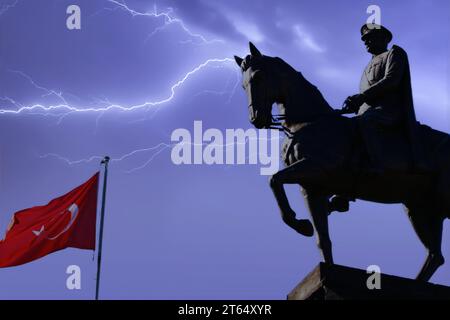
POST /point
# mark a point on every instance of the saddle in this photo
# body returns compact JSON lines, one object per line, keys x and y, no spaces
{"x":396,"y":153}
{"x":313,"y":140}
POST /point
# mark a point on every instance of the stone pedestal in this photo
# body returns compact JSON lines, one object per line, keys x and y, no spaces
{"x":336,"y":282}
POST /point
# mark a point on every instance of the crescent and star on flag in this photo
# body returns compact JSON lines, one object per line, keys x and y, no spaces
{"x":73,"y":210}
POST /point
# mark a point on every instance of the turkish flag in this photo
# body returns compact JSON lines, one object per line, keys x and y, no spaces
{"x":67,"y":221}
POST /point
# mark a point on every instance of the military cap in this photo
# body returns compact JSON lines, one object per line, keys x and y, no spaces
{"x":372,"y":27}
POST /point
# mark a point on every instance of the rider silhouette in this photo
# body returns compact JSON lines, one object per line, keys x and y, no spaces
{"x":385,"y":98}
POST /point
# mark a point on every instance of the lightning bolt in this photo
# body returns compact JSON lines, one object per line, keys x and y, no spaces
{"x":159,"y":148}
{"x":168,"y":20}
{"x":48,"y":92}
{"x":12,"y":101}
{"x":6,"y":7}
{"x":65,"y":107}
{"x":165,"y":146}
{"x":225,"y":90}
{"x":96,"y":158}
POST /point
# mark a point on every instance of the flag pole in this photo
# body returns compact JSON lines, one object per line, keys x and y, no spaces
{"x":105,"y":161}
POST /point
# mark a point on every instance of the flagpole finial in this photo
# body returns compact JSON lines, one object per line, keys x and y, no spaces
{"x":105,"y":160}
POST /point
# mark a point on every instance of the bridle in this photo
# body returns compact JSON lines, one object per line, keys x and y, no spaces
{"x":277,"y":125}
{"x":277,"y":119}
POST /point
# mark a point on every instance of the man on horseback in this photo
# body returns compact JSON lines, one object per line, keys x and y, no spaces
{"x":320,"y":148}
{"x":385,"y":98}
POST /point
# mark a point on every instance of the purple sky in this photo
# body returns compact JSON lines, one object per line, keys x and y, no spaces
{"x":188,"y":232}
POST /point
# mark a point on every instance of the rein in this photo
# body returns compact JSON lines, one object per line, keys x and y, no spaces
{"x":277,"y":125}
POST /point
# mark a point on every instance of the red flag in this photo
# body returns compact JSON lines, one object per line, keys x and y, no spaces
{"x":67,"y":221}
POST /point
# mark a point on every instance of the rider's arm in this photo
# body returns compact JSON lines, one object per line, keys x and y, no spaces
{"x":397,"y":62}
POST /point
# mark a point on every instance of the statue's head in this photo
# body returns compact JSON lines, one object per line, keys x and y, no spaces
{"x":255,"y":82}
{"x":375,"y":37}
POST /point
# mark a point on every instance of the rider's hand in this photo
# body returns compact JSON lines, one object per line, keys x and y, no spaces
{"x":348,"y":106}
{"x":352,"y":103}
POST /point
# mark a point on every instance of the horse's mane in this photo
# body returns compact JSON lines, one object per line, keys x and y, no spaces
{"x":306,"y":89}
{"x":313,"y":104}
{"x":289,"y":71}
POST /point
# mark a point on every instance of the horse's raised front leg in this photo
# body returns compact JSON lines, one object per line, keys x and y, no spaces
{"x":304,"y":172}
{"x":292,"y":174}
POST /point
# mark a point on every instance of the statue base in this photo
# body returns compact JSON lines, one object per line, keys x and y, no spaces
{"x":335,"y":282}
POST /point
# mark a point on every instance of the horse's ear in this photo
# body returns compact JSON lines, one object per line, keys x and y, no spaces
{"x":254,"y":51}
{"x":238,"y":60}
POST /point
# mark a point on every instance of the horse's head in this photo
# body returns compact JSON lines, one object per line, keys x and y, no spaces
{"x":257,"y":82}
{"x":268,"y":80}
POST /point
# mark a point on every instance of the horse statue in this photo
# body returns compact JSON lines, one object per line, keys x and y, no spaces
{"x":325,"y":155}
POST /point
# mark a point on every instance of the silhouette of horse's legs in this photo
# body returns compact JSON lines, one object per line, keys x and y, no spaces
{"x":302,"y":226}
{"x":318,"y":208}
{"x":304,"y":172}
{"x":428,"y":227}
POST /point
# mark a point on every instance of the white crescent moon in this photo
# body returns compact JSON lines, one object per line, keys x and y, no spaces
{"x":73,"y":209}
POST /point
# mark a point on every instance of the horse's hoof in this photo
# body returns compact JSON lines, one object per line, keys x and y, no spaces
{"x":304,"y":227}
{"x":432,"y":263}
